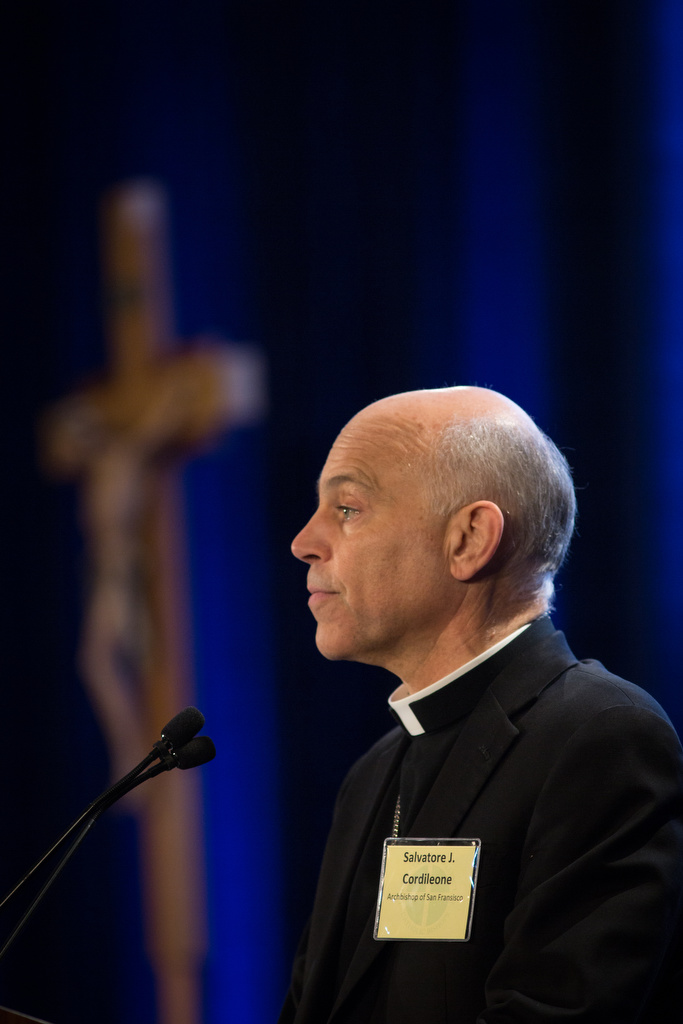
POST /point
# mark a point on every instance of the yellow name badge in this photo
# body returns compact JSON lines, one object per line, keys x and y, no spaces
{"x":426,"y":889}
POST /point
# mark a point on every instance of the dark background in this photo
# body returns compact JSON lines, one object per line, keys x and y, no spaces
{"x":382,"y":196}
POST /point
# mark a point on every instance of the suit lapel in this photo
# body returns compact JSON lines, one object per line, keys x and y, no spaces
{"x":474,"y":757}
{"x":338,"y":869}
{"x":488,"y":729}
{"x":487,"y":735}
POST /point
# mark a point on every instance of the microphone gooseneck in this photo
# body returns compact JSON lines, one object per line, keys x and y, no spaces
{"x":179,"y":747}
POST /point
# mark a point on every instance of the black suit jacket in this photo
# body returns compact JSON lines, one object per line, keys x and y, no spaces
{"x":572,"y":779}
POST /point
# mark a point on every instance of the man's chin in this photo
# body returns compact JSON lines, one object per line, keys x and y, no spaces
{"x":334,"y":648}
{"x":332,"y":653}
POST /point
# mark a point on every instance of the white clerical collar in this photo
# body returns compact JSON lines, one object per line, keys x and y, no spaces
{"x":400,"y":700}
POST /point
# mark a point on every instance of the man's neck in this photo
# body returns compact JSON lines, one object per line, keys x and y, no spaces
{"x":451,"y":654}
{"x":405,"y":705}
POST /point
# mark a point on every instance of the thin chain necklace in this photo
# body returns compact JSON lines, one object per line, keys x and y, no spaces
{"x":397,"y":817}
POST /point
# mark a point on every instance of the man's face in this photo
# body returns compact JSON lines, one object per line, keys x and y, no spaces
{"x":381,"y":590}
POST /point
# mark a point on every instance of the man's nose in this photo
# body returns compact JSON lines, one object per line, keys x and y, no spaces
{"x":307,"y":546}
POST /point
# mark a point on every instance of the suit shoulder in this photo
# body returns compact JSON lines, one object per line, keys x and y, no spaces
{"x":590,"y":683}
{"x":588,"y":701}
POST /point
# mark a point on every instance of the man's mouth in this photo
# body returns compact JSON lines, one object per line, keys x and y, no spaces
{"x":319,"y":596}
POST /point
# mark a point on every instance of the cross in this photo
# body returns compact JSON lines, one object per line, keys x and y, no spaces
{"x":122,"y":437}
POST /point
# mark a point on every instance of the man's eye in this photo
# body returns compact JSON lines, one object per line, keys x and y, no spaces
{"x":347,"y":513}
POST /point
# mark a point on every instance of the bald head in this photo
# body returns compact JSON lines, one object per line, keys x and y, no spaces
{"x":470,"y":444}
{"x":424,"y":414}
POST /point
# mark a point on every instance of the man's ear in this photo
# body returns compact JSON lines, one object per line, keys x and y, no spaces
{"x":473,"y":536}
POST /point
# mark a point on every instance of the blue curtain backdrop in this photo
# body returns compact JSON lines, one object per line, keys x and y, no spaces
{"x":382,"y":196}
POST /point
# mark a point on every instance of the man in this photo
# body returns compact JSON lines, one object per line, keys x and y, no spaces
{"x":443,"y":517}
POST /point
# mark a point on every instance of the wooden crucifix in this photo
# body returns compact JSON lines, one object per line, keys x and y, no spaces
{"x":123,"y":436}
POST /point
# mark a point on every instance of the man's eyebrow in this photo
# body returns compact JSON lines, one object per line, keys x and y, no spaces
{"x":342,"y":478}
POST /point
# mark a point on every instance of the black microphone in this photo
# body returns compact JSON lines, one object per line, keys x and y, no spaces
{"x":196,"y":751}
{"x":176,"y":734}
{"x":178,"y":747}
{"x":183,"y":727}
